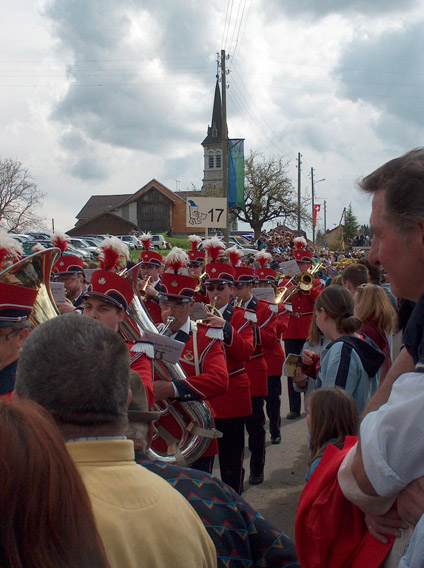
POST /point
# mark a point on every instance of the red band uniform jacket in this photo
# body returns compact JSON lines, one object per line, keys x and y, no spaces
{"x":301,"y":315}
{"x":265,"y":337}
{"x":238,"y":344}
{"x":274,"y":357}
{"x":211,"y":382}
{"x":141,"y":363}
{"x":152,"y":305}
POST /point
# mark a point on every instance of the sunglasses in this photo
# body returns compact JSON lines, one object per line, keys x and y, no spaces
{"x":211,"y":287}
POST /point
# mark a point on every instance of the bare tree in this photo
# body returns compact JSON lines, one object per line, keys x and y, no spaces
{"x":269,"y":193}
{"x":19,"y":197}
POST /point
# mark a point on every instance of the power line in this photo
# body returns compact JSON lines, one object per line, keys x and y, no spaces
{"x":244,"y":30}
{"x":225,"y":23}
{"x":234,"y":27}
{"x":229,"y":23}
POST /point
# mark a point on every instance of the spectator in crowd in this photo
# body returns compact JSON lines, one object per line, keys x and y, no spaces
{"x":348,"y":361}
{"x":375,"y":277}
{"x":332,"y":415}
{"x":46,"y":516}
{"x":353,"y":276}
{"x":78,"y":369}
{"x":378,"y":317}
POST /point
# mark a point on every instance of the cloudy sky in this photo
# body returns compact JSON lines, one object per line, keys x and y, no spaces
{"x":100,"y":96}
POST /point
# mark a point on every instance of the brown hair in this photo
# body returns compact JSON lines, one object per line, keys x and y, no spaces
{"x":403,"y":180}
{"x":333,"y":417}
{"x":337,"y":303}
{"x":336,"y":280}
{"x":315,"y":333}
{"x":373,"y":270}
{"x":355,"y":273}
{"x":373,"y":306}
{"x":46,"y":517}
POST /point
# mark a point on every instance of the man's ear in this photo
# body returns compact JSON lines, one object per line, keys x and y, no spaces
{"x":22,"y":336}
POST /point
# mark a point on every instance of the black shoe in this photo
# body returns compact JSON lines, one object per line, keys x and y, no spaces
{"x":293,"y":415}
{"x":276,"y":440}
{"x":256,"y":479}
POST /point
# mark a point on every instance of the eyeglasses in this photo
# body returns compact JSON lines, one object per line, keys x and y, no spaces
{"x":9,"y":335}
{"x":174,"y":305}
{"x":212,"y":287}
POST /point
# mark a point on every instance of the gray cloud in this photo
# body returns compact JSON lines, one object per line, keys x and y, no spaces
{"x":323,"y":8}
{"x":114,"y":44}
{"x":386,"y":71}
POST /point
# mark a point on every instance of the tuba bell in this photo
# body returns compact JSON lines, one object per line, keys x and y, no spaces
{"x":194,"y":418}
{"x":34,"y":272}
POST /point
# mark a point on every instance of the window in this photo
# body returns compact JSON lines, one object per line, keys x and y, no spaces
{"x":218,"y":159}
{"x":211,"y":160}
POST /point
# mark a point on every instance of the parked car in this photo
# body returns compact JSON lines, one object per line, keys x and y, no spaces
{"x":159,"y":242}
{"x":80,"y":243}
{"x":21,"y":237}
{"x":130,"y":240}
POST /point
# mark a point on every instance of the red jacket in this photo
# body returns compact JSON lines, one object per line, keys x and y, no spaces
{"x":301,"y":316}
{"x":275,"y":357}
{"x":265,"y":336}
{"x":212,"y":380}
{"x":142,"y":364}
{"x":238,"y":344}
{"x":330,"y":530}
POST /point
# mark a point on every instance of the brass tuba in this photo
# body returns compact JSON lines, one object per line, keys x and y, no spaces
{"x":34,"y":272}
{"x":194,"y":418}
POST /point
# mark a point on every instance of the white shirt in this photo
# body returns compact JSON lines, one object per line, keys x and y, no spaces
{"x":392,"y":443}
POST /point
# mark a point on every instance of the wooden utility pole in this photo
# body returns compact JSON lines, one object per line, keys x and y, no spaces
{"x":313,"y":206}
{"x":325,"y":216}
{"x":224,"y":141}
{"x":299,"y":177}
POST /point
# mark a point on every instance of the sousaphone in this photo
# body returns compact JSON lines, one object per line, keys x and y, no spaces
{"x":194,"y":419}
{"x":34,"y":272}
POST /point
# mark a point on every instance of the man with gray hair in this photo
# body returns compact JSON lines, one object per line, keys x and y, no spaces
{"x":78,"y":369}
{"x":386,"y":468}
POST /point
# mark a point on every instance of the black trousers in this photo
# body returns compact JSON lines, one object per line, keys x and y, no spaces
{"x":231,"y":451}
{"x":203,"y":464}
{"x":255,"y":427}
{"x":293,"y":346}
{"x":272,"y":405}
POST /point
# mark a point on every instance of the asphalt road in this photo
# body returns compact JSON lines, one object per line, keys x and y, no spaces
{"x":276,"y":498}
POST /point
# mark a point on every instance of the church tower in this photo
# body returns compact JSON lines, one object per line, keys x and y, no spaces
{"x":212,"y":148}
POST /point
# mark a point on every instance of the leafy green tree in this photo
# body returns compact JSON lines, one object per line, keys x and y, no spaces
{"x":351,"y":226}
{"x":268,"y":194}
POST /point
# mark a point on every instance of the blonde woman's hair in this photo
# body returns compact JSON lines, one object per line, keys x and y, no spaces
{"x":333,"y":417}
{"x":373,"y":306}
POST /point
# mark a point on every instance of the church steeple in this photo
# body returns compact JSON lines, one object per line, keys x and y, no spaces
{"x":212,"y":145}
{"x":215,"y":129}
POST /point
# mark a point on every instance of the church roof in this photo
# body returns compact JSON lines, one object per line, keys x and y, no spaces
{"x":215,"y":130}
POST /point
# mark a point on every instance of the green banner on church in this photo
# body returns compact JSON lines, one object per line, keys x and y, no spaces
{"x":236,"y":172}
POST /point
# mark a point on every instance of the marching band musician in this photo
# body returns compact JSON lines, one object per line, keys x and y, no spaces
{"x":274,"y":357}
{"x":299,"y":320}
{"x":203,"y":357}
{"x":69,"y":270}
{"x":196,"y":266}
{"x":16,"y":304}
{"x":151,"y":268}
{"x":232,"y":408}
{"x":256,"y":367}
{"x":106,"y":299}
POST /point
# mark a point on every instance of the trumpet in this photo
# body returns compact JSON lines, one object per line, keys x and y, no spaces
{"x":143,"y":286}
{"x":165,"y":328}
{"x":212,"y":310}
{"x":199,"y":280}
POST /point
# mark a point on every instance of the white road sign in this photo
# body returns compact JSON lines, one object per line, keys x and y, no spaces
{"x":206,"y":212}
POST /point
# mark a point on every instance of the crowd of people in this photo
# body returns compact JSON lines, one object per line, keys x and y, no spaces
{"x":107,"y":447}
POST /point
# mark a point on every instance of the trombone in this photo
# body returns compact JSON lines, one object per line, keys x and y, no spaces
{"x":301,"y":281}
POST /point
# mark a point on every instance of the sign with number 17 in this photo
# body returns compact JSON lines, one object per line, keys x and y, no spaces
{"x":206,"y":212}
